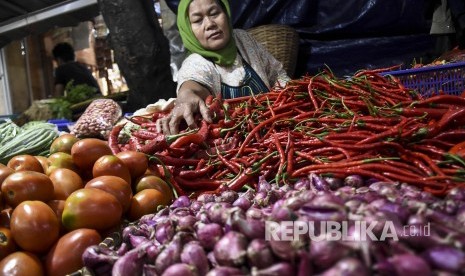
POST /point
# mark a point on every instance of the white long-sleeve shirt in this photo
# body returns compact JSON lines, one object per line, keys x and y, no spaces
{"x":199,"y":69}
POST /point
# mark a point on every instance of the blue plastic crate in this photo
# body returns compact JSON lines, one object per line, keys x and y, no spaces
{"x":431,"y":80}
{"x":62,"y":124}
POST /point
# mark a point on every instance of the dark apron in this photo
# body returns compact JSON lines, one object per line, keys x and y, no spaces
{"x":251,"y":84}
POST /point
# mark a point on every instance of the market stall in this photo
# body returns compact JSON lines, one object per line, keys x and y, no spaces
{"x":346,"y":170}
{"x":360,"y":175}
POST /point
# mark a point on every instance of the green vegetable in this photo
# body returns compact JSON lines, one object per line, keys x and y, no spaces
{"x":34,"y":139}
{"x":73,"y":94}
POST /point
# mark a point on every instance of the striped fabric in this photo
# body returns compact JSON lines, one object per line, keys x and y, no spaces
{"x":251,"y":84}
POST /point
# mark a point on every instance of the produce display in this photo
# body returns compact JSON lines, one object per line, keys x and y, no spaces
{"x":32,"y":138}
{"x":327,"y":176}
{"x":53,"y":207}
{"x":98,"y":119}
{"x":225,"y":234}
{"x":367,"y":125}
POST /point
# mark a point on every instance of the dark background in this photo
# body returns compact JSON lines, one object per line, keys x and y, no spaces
{"x":345,"y":35}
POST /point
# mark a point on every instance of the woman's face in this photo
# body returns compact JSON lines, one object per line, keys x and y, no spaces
{"x":209,"y":24}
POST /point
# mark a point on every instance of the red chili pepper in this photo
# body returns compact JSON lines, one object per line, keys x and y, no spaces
{"x":228,"y":163}
{"x":198,"y":183}
{"x":455,"y":135}
{"x":282,"y":155}
{"x":307,"y":169}
{"x":428,"y":161}
{"x":176,"y":162}
{"x":178,"y":152}
{"x":135,"y":143}
{"x":196,"y":173}
{"x":197,"y":138}
{"x":455,"y":116}
{"x":113,"y":138}
{"x":444,"y":99}
{"x":258,"y":127}
{"x":155,"y":145}
{"x":393,"y":131}
{"x":404,"y":165}
{"x":145,"y":134}
{"x":139,"y":120}
{"x":242,"y":179}
{"x":435,"y":113}
{"x":434,"y":187}
{"x":166,"y":174}
{"x":290,"y":158}
{"x":149,"y":125}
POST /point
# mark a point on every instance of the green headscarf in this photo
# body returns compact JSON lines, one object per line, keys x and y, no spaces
{"x":223,"y":57}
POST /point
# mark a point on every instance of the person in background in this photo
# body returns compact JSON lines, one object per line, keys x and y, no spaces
{"x":447,"y":24}
{"x":221,"y":61}
{"x":69,"y":69}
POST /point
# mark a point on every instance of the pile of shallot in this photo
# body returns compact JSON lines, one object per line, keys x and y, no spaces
{"x":384,"y":229}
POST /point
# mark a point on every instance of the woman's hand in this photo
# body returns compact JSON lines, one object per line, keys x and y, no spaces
{"x":190,"y":100}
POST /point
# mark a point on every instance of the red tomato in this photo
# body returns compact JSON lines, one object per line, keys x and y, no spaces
{"x":21,"y":264}
{"x":58,"y":205}
{"x":60,"y":160}
{"x":7,"y":243}
{"x":91,"y":208}
{"x":4,"y":172}
{"x":61,"y":261}
{"x":111,"y":165}
{"x":65,"y":181}
{"x":63,"y":143}
{"x":43,"y":161}
{"x":137,"y":162}
{"x":26,"y":185}
{"x":34,"y":226}
{"x":145,"y":202}
{"x":25,"y":162}
{"x":5,"y":217}
{"x":154,"y":182}
{"x":114,"y":185}
{"x":86,"y":151}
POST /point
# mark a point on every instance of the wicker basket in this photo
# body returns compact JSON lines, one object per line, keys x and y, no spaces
{"x":281,"y":41}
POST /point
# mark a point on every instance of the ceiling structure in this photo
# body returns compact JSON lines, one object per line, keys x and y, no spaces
{"x":21,"y":18}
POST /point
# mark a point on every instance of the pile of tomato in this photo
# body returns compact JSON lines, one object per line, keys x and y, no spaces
{"x":53,"y":208}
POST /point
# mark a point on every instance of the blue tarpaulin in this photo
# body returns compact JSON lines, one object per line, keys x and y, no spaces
{"x":345,"y":35}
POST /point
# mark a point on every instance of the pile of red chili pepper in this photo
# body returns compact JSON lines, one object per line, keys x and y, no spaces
{"x":368,"y":125}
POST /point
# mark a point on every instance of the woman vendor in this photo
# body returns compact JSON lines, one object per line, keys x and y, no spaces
{"x":221,"y":60}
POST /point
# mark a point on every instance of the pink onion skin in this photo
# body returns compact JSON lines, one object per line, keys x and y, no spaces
{"x":194,"y":255}
{"x":404,"y":265}
{"x":305,"y":265}
{"x":457,"y":194}
{"x":318,"y":183}
{"x":242,"y":202}
{"x":354,"y":180}
{"x":259,"y":254}
{"x":446,"y":258}
{"x":179,"y":269}
{"x":209,"y":234}
{"x":282,"y":268}
{"x":169,"y":255}
{"x":325,"y":254}
{"x":182,"y":201}
{"x":130,"y":263}
{"x":348,"y":267}
{"x":230,"y":250}
{"x":99,"y":258}
{"x":225,"y":271}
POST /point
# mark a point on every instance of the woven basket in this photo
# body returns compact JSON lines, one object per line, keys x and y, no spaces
{"x":281,"y":41}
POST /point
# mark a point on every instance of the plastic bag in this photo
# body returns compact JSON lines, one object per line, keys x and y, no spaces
{"x":98,"y":119}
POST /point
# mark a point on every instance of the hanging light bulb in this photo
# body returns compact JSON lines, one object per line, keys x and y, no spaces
{"x":23,"y":48}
